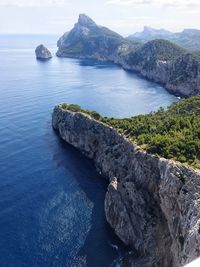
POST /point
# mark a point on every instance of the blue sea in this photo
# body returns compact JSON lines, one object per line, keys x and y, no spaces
{"x":51,"y":197}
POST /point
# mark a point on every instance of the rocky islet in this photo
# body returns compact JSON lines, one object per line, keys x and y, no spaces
{"x":42,"y":52}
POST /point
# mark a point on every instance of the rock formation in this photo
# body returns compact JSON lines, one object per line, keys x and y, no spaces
{"x":42,"y":52}
{"x":159,"y":60}
{"x":89,"y":40}
{"x":153,"y":204}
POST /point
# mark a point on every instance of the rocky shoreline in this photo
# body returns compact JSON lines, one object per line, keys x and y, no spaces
{"x":151,"y":203}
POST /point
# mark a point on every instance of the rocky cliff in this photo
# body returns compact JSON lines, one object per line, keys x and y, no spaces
{"x":42,"y":52}
{"x":158,"y":60}
{"x":153,"y":204}
{"x":89,"y":40}
{"x":168,"y":64}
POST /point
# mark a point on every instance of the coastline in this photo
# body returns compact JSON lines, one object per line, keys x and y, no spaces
{"x":139,"y":72}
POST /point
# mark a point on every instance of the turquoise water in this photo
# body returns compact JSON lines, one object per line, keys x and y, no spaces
{"x":51,"y":197}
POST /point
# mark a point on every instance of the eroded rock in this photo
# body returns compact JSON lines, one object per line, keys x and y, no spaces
{"x":42,"y":52}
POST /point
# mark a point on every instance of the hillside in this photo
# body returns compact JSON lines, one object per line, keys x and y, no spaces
{"x":148,"y":55}
{"x":167,"y":64}
{"x":174,"y":133}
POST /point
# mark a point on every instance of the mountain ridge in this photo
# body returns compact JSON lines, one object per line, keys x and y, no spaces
{"x":188,"y":38}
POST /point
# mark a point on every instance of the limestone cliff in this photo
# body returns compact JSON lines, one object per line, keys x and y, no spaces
{"x":89,"y":40}
{"x":153,"y":204}
{"x":167,"y":64}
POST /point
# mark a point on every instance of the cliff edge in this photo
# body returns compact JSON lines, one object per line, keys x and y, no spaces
{"x":153,"y":204}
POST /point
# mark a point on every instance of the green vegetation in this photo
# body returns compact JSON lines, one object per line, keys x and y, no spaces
{"x":150,"y":53}
{"x":163,"y":49}
{"x":76,"y":108}
{"x":173,"y":133}
{"x":187,"y":68}
{"x":71,"y":107}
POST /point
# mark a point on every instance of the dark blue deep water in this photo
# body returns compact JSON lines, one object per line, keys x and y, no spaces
{"x":51,"y":197}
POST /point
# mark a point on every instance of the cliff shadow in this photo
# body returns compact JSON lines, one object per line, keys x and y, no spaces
{"x":102,"y":247}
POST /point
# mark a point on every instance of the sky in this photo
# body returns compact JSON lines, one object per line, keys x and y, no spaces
{"x":123,"y":16}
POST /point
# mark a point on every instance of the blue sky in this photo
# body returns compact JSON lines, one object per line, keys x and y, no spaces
{"x":123,"y":16}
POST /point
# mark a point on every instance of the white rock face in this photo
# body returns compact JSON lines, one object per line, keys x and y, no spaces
{"x":153,"y":204}
{"x":42,"y":52}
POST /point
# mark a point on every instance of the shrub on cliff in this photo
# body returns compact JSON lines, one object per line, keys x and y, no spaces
{"x":71,"y":107}
{"x":95,"y":115}
{"x":173,"y":133}
{"x":76,"y":108}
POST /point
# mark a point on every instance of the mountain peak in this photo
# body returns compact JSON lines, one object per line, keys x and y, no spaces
{"x":151,"y":30}
{"x":191,"y":31}
{"x":84,"y":20}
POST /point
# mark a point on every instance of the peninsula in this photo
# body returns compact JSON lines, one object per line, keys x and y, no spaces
{"x":162,"y":61}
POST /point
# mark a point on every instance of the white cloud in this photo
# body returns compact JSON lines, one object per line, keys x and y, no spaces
{"x":167,"y":3}
{"x":32,"y":3}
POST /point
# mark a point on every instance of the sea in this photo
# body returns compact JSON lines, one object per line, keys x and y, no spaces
{"x":51,"y":196}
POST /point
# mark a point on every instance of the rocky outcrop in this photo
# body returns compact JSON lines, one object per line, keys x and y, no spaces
{"x":42,"y":52}
{"x":160,"y":60}
{"x":89,"y":40}
{"x":153,"y":204}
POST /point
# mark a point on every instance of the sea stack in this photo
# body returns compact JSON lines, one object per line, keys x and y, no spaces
{"x":42,"y":52}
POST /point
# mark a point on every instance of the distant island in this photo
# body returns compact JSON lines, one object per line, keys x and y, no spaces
{"x":188,"y":38}
{"x":161,"y":61}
